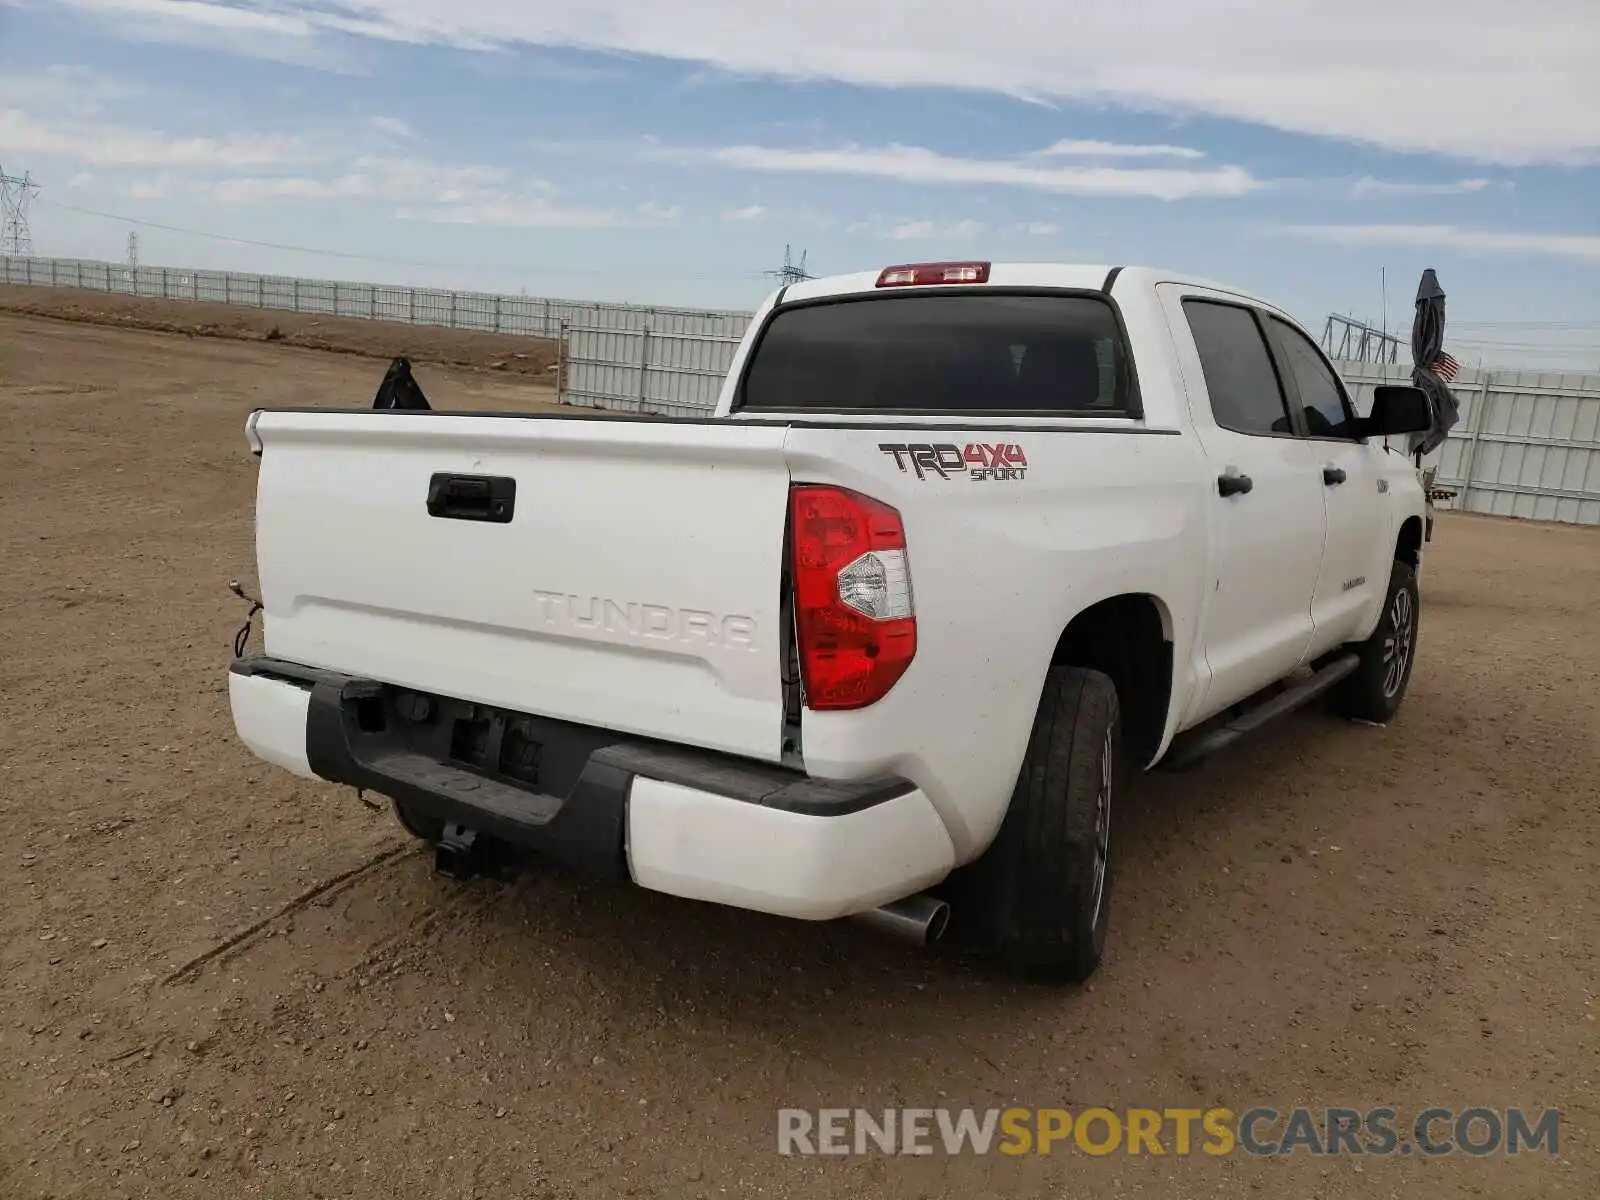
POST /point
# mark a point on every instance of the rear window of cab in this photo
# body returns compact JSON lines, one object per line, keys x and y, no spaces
{"x":940,"y":352}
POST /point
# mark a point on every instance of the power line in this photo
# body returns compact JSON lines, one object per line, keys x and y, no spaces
{"x":389,"y":260}
{"x":1558,"y":347}
{"x":1586,"y":325}
{"x":244,"y":241}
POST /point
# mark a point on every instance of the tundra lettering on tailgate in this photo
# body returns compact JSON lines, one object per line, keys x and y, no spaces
{"x":655,"y":622}
{"x":975,"y":460}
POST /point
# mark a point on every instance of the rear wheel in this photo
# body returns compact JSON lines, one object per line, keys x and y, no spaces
{"x":1050,"y":869}
{"x":1374,"y":690}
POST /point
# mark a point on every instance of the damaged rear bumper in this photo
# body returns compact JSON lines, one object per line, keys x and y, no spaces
{"x":674,"y":819}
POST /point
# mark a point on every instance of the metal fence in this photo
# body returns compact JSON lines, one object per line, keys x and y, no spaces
{"x":1527,"y":443}
{"x":528,"y":316}
{"x":676,"y":374}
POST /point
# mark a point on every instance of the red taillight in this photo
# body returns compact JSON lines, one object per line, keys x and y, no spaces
{"x":854,"y":619}
{"x":923,"y":274}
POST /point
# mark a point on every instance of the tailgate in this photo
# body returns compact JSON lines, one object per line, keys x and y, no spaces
{"x":635,"y":586}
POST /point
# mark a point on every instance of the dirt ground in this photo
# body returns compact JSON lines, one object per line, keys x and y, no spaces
{"x":1329,"y":914}
{"x":344,"y":335}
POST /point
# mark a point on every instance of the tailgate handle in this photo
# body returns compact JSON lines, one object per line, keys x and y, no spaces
{"x":472,"y":497}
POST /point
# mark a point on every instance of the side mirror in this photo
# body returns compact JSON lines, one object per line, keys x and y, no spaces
{"x":1398,"y":408}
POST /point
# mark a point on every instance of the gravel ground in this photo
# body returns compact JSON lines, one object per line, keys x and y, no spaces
{"x":1327,"y":915}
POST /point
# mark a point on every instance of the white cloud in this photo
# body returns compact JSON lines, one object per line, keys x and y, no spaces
{"x":161,"y":187}
{"x":1039,"y":228}
{"x":393,"y":127}
{"x":1368,"y":186}
{"x":265,"y":30}
{"x":111,"y":145}
{"x":252,"y":18}
{"x":750,"y":212}
{"x":65,"y":90}
{"x":1450,"y":237}
{"x":1080,"y":148}
{"x":239,"y":169}
{"x":527,"y":212}
{"x":368,"y":178}
{"x":659,"y":214}
{"x":455,"y":195}
{"x":917,"y":164}
{"x":932,"y":231}
{"x":1414,"y":76}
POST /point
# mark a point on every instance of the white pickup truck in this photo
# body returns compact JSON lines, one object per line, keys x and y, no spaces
{"x":963,"y":548}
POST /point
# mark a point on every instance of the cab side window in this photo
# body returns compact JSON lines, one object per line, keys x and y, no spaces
{"x":1321,"y":399}
{"x":1246,"y":396}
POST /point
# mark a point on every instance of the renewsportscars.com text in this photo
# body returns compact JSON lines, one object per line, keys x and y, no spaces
{"x":1260,"y":1132}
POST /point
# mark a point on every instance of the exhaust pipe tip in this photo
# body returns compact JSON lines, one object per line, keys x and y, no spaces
{"x":920,"y":920}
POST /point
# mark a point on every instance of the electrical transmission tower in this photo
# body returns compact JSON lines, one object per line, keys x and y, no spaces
{"x":133,"y":250}
{"x":1347,"y":338}
{"x":16,"y":194}
{"x":791,"y":271}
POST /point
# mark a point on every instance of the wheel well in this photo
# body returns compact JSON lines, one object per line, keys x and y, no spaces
{"x":1126,"y":637}
{"x":1408,"y":549}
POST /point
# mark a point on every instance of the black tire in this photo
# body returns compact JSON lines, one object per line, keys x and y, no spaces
{"x":1374,"y":691}
{"x":427,"y":829}
{"x":1047,"y":877}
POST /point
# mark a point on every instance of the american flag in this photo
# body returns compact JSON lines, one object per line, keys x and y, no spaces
{"x":1445,"y":367}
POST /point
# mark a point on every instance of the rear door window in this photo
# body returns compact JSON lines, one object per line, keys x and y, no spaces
{"x":927,"y":353}
{"x":1240,"y":378}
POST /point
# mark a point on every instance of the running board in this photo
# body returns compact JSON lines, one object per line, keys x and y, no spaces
{"x":1207,"y":744}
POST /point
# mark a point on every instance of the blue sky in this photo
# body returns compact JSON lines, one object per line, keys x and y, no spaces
{"x":665,"y":153}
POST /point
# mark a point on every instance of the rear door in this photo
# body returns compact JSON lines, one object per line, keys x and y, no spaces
{"x":1266,"y":502}
{"x":616,"y":573}
{"x":1355,"y":558}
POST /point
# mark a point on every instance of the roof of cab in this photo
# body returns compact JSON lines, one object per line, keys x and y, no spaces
{"x":1087,"y":276}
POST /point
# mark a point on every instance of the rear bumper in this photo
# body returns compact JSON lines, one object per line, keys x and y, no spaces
{"x":672,"y":819}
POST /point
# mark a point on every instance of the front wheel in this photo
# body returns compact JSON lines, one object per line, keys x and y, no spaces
{"x":1374,"y":690}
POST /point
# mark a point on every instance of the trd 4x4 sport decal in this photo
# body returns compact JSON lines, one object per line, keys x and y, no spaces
{"x":976,"y":460}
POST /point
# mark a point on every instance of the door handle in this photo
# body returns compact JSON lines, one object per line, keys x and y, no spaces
{"x":490,"y":498}
{"x":1333,"y":476}
{"x":1234,"y":485}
